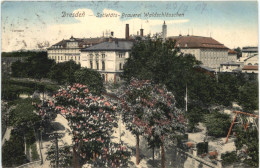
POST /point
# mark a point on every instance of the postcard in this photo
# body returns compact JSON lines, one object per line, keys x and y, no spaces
{"x":129,"y":84}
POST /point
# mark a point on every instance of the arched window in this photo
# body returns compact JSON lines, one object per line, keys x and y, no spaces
{"x":249,"y":64}
{"x":256,"y":64}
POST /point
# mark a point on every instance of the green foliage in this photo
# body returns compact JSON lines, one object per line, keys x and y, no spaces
{"x":11,"y":89}
{"x":63,"y":73}
{"x":217,"y":124}
{"x":13,"y":151}
{"x":250,"y":139}
{"x":202,"y":147}
{"x":65,"y":155}
{"x":91,"y":78}
{"x":34,"y":152}
{"x":35,"y":66}
{"x":195,"y":115}
{"x":21,"y":53}
{"x":229,"y":158}
{"x":23,"y":113}
{"x":248,"y":96}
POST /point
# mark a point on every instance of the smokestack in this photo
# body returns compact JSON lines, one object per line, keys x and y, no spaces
{"x":112,"y":34}
{"x":127,"y":31}
{"x":142,"y":32}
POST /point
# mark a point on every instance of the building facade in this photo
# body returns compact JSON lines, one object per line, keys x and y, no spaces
{"x":108,"y":58}
{"x":205,"y":49}
{"x":66,"y":50}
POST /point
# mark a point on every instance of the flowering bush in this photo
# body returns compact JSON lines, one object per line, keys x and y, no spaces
{"x":150,"y":110}
{"x":91,"y":119}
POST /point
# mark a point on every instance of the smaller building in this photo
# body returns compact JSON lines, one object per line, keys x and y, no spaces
{"x":108,"y":58}
{"x":229,"y":66}
{"x":250,"y":69}
{"x":249,"y":51}
{"x":232,"y":55}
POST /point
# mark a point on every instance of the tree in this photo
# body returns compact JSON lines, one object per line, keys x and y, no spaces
{"x":91,"y":119}
{"x":162,"y":64}
{"x":91,"y":78}
{"x":250,"y":139}
{"x":63,"y":73}
{"x":217,"y":124}
{"x":239,"y":52}
{"x":37,"y":66}
{"x":248,"y":96}
{"x":150,"y":110}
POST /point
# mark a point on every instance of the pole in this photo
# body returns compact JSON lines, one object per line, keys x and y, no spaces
{"x":231,"y":128}
{"x":57,"y":150}
{"x":186,"y":99}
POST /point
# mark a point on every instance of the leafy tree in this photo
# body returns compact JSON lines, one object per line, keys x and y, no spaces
{"x":91,"y":119}
{"x":248,"y":96}
{"x":91,"y":78}
{"x":13,"y":151}
{"x":217,"y":124}
{"x":63,"y":73}
{"x":239,"y":52}
{"x":250,"y":139}
{"x":35,"y":66}
{"x":150,"y":110}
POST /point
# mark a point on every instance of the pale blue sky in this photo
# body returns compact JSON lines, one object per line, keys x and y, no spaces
{"x":232,"y":23}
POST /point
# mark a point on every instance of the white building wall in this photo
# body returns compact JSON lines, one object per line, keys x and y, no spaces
{"x":112,"y":62}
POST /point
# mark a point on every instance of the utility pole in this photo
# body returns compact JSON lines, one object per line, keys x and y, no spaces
{"x":186,"y":99}
{"x":57,"y":150}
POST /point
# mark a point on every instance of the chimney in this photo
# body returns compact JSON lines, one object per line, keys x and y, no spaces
{"x":142,"y":32}
{"x":137,"y":33}
{"x":112,"y":34}
{"x":127,"y":31}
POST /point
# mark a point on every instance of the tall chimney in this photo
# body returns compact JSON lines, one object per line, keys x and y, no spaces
{"x":127,"y":31}
{"x":112,"y":34}
{"x":142,"y":32}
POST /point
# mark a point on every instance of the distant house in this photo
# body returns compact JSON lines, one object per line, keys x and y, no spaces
{"x":206,"y":49}
{"x":229,"y":66}
{"x":108,"y":58}
{"x":250,"y":69}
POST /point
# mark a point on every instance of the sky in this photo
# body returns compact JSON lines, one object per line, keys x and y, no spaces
{"x":33,"y":25}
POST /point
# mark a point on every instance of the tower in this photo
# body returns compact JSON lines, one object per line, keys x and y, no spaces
{"x":164,"y":31}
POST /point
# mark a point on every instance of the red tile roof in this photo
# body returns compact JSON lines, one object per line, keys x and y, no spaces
{"x":232,"y":51}
{"x":250,"y":67}
{"x":197,"y":42}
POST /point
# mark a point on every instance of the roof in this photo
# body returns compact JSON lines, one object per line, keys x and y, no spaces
{"x":111,"y":46}
{"x":83,"y":41}
{"x":205,"y":68}
{"x":231,"y":51}
{"x":196,"y":42}
{"x":230,"y":63}
{"x":250,"y":67}
{"x":250,"y":49}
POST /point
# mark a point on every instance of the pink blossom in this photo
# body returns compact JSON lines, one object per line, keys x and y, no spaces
{"x":85,"y":140}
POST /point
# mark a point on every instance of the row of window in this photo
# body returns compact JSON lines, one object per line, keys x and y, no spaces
{"x":65,"y":58}
{"x":97,"y":65}
{"x":252,"y":64}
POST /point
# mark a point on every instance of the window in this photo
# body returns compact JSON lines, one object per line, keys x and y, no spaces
{"x":103,"y":65}
{"x":249,"y":64}
{"x":60,"y":57}
{"x":79,"y":57}
{"x":120,"y":66}
{"x":91,"y":65}
{"x":97,"y":65}
{"x":103,"y":55}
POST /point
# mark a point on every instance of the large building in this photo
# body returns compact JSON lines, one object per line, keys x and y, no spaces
{"x":205,"y":49}
{"x":66,"y":50}
{"x":108,"y":58}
